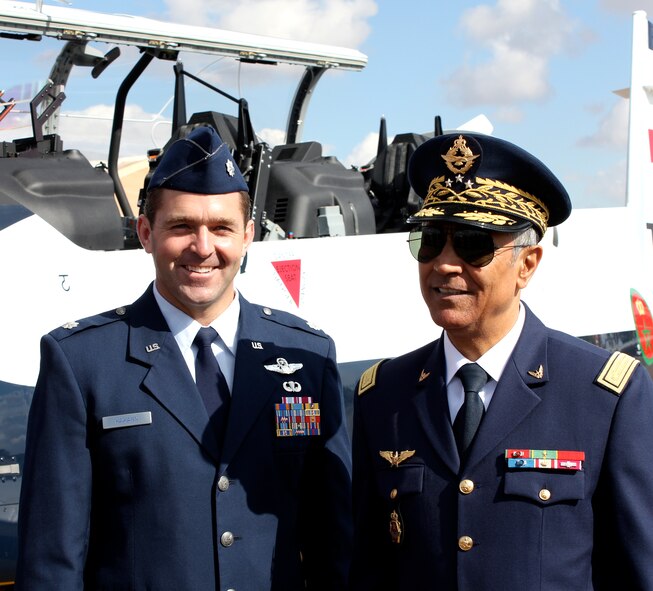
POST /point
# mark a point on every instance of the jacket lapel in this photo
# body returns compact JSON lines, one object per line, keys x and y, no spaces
{"x":249,"y":396}
{"x":168,"y":379}
{"x":432,"y":408}
{"x":516,"y":395}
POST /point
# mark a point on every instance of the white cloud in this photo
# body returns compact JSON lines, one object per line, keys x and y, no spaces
{"x":612,"y":129}
{"x":336,"y":22}
{"x":519,"y":37}
{"x":363,"y":152}
{"x":627,"y":6}
{"x":274,"y":137}
{"x":90,"y":130}
{"x":604,"y":188}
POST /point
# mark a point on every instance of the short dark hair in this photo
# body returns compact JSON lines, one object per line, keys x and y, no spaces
{"x":153,"y":201}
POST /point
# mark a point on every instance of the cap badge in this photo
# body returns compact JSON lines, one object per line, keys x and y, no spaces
{"x":229,"y":165}
{"x":459,"y":157}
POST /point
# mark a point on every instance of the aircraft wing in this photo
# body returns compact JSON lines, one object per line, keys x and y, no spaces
{"x":69,"y":24}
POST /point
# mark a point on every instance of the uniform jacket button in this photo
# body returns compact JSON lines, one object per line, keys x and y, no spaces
{"x":466,"y":486}
{"x":223,"y":483}
{"x":465,"y":543}
{"x":227,"y":539}
{"x":545,"y":494}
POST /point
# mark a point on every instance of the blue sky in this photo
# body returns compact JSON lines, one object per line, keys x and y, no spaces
{"x":542,"y":71}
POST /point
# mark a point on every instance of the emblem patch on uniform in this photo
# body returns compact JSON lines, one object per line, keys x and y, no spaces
{"x":297,"y":416}
{"x":538,"y":373}
{"x":368,"y":379}
{"x":545,"y":459}
{"x":395,"y":527}
{"x":282,"y":366}
{"x":616,"y":372}
{"x":396,"y":457}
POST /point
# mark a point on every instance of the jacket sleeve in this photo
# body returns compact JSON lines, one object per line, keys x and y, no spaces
{"x":325,"y":513}
{"x":623,"y":502}
{"x":53,"y":523}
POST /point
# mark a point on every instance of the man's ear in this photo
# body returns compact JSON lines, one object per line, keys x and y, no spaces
{"x":144,"y":230}
{"x":529,"y":259}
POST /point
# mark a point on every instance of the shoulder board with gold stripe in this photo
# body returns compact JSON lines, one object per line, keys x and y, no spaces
{"x":368,"y":379}
{"x":616,"y":372}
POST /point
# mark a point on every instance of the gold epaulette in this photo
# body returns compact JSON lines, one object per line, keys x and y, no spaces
{"x":616,"y":372}
{"x":368,"y":379}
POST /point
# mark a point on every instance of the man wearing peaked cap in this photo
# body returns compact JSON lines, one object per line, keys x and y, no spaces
{"x":192,"y":440}
{"x":504,"y":454}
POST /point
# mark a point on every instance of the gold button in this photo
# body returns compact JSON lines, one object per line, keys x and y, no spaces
{"x":466,"y":486}
{"x":465,"y":543}
{"x":545,"y":494}
{"x":393,"y":493}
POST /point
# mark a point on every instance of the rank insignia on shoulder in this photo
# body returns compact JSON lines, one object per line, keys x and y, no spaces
{"x":368,"y":379}
{"x":297,"y":416}
{"x":70,"y":325}
{"x":616,"y":373}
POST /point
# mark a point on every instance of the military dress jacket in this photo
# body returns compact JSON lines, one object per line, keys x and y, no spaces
{"x":424,"y":521}
{"x":125,"y":487}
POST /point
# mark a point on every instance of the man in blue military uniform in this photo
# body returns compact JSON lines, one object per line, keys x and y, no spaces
{"x":160,"y":459}
{"x":504,"y":455}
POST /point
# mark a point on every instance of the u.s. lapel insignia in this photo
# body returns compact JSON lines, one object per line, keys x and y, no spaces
{"x":283,"y":367}
{"x":538,"y":373}
{"x":396,"y":457}
{"x":70,"y":325}
{"x":424,"y":375}
{"x":153,"y":347}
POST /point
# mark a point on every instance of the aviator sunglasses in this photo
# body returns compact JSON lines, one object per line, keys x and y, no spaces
{"x":475,"y":247}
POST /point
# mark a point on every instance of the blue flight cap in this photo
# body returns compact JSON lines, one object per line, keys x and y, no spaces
{"x":484,"y":181}
{"x":198,"y":163}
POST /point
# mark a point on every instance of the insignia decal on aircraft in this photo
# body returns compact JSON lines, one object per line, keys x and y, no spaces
{"x":290,"y":273}
{"x":643,"y":325}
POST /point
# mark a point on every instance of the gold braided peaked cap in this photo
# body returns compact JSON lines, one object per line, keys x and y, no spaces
{"x":484,"y":181}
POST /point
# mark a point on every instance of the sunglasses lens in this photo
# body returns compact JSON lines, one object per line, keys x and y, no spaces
{"x":475,"y":247}
{"x":426,"y":243}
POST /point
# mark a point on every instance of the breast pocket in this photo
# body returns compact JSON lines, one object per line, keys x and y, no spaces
{"x":395,"y":483}
{"x":545,"y":488}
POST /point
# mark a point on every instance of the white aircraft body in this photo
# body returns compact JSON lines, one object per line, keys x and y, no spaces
{"x":360,"y":287}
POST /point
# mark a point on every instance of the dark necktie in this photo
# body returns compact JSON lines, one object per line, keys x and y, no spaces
{"x":469,"y":417}
{"x":211,"y":382}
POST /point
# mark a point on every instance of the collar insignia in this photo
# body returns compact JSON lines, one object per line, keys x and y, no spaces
{"x":538,"y":373}
{"x":424,"y":375}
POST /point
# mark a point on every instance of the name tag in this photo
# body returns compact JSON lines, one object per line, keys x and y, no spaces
{"x":129,"y":420}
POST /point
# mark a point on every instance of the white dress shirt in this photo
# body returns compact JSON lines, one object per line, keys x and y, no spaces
{"x":493,"y":361}
{"x":184,"y":329}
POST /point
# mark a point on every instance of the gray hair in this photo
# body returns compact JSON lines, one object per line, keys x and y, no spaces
{"x":528,"y":237}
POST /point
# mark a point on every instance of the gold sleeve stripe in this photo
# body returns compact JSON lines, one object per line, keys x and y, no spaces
{"x":616,"y":372}
{"x":368,"y":379}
